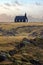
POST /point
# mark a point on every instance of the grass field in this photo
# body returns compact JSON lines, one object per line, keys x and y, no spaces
{"x":24,"y":38}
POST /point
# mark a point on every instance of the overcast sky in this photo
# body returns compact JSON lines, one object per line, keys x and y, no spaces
{"x":33,"y":8}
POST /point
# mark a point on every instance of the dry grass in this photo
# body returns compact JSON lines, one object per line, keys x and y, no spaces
{"x":7,"y":42}
{"x":14,"y":25}
{"x":10,"y":39}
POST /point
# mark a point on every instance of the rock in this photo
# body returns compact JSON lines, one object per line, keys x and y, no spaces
{"x":35,"y":62}
{"x":24,"y":60}
{"x":25,"y":39}
{"x":19,"y":46}
{"x":12,"y":52}
{"x":2,"y":58}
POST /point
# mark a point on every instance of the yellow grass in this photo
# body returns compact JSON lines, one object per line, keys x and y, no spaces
{"x":4,"y":40}
{"x":14,"y":25}
{"x":10,"y":39}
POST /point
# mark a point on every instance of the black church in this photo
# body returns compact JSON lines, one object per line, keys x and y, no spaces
{"x":21,"y":18}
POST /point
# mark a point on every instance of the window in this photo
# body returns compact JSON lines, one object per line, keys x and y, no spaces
{"x":22,"y":20}
{"x":16,"y":20}
{"x":19,"y":20}
{"x":25,"y":20}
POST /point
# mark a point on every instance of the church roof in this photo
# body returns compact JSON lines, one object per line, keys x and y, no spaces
{"x":20,"y":17}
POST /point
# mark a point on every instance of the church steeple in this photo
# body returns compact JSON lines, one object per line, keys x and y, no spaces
{"x":25,"y":15}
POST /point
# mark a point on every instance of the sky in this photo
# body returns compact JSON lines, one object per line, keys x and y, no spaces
{"x":22,"y":1}
{"x":33,"y":8}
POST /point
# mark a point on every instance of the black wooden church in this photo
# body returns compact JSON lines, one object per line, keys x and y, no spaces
{"x":21,"y":18}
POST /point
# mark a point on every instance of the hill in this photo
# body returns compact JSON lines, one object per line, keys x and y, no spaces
{"x":21,"y":43}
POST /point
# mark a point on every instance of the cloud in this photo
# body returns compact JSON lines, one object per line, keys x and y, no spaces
{"x":38,"y":4}
{"x":7,"y":4}
{"x":5,"y":18}
{"x":18,"y":3}
{"x":16,"y":8}
{"x":35,"y":10}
